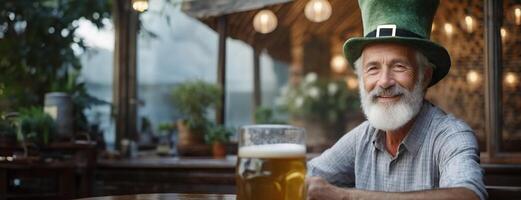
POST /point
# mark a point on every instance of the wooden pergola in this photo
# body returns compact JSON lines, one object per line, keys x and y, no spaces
{"x":295,"y":34}
{"x":287,"y":42}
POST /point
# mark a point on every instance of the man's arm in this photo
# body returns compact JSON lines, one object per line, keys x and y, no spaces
{"x":320,"y":189}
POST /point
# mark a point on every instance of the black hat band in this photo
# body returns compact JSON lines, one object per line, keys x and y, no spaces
{"x":392,"y":31}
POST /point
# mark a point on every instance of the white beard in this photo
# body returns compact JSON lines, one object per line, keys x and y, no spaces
{"x":391,"y":116}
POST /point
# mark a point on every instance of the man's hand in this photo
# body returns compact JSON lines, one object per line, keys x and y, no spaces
{"x":320,"y":189}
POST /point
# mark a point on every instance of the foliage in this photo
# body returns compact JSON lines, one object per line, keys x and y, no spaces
{"x":193,"y":99}
{"x":320,"y":99}
{"x":264,"y":115}
{"x":218,"y":134}
{"x":36,"y":49}
{"x":80,"y":98}
{"x":166,"y":127}
{"x":7,"y":126}
{"x":36,"y":125}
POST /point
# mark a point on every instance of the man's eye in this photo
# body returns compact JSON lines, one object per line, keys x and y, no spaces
{"x":371,"y":70}
{"x":399,"y":68}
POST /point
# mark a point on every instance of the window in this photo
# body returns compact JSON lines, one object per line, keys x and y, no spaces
{"x":97,"y":63}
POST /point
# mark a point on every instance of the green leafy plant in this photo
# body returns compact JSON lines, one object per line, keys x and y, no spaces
{"x":7,"y":127}
{"x":319,"y":99}
{"x":193,"y":99}
{"x":218,"y":134}
{"x":36,"y":126}
{"x":37,"y":49}
{"x":264,"y":115}
{"x":80,"y":98}
{"x":166,"y":127}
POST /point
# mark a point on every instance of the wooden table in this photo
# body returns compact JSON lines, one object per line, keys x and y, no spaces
{"x":167,"y":196}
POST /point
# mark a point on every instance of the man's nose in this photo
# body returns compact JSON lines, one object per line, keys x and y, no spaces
{"x":386,"y":80}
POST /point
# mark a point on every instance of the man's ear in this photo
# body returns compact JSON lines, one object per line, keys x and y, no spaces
{"x":427,"y":76}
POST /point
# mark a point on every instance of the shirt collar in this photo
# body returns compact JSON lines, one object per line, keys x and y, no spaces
{"x":416,"y":135}
{"x":414,"y":139}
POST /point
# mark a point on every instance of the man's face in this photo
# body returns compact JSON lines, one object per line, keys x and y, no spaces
{"x":391,"y":90}
{"x":387,"y":65}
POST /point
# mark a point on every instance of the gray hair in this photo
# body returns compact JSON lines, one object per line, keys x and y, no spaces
{"x":421,"y":60}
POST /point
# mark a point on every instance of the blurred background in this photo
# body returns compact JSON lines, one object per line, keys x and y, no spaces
{"x":105,"y":97}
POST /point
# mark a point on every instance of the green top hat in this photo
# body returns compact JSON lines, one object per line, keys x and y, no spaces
{"x":401,"y":21}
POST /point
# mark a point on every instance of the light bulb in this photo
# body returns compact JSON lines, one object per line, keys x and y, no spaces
{"x":339,"y":64}
{"x":318,"y":10}
{"x":140,"y":5}
{"x":472,"y":77}
{"x":352,"y":82}
{"x":448,"y":28}
{"x":265,"y":21}
{"x":511,"y":79}
{"x":469,"y":22}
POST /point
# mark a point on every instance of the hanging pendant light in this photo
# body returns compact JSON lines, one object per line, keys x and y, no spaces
{"x":140,"y":5}
{"x":265,"y":21}
{"x":318,"y":10}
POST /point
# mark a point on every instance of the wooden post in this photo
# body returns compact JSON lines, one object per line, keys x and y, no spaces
{"x":493,"y":73}
{"x":297,"y":54}
{"x":221,"y":69}
{"x":257,"y":92}
{"x":125,"y":82}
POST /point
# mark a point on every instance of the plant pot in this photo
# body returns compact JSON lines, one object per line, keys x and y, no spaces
{"x":218,"y":150}
{"x":191,"y":142}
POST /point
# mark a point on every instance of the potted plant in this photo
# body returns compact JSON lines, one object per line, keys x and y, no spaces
{"x":7,"y":131}
{"x":319,"y":105}
{"x":36,"y":126}
{"x":218,"y":136}
{"x":164,"y":144}
{"x":193,"y":99}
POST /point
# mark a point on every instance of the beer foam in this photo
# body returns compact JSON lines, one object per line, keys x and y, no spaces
{"x":285,"y":150}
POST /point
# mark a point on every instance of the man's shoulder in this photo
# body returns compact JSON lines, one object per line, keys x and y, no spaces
{"x":363,"y":132}
{"x":448,"y":128}
{"x":447,"y":123}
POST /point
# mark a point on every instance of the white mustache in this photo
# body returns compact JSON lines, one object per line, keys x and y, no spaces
{"x":391,"y":91}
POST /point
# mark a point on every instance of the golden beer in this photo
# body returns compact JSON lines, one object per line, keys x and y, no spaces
{"x":271,"y":172}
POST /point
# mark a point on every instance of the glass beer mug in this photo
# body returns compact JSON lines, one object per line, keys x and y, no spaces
{"x":271,"y":163}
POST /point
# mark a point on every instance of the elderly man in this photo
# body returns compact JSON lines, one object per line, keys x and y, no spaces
{"x":408,"y":148}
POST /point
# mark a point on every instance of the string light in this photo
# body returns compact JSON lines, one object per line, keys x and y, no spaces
{"x":469,"y":21}
{"x":339,"y":64}
{"x":504,"y":33}
{"x":318,"y":10}
{"x":448,"y":28}
{"x":265,"y":21}
{"x":472,"y":77}
{"x":511,"y":79}
{"x":352,"y":82}
{"x":517,"y":15}
{"x":140,"y":5}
